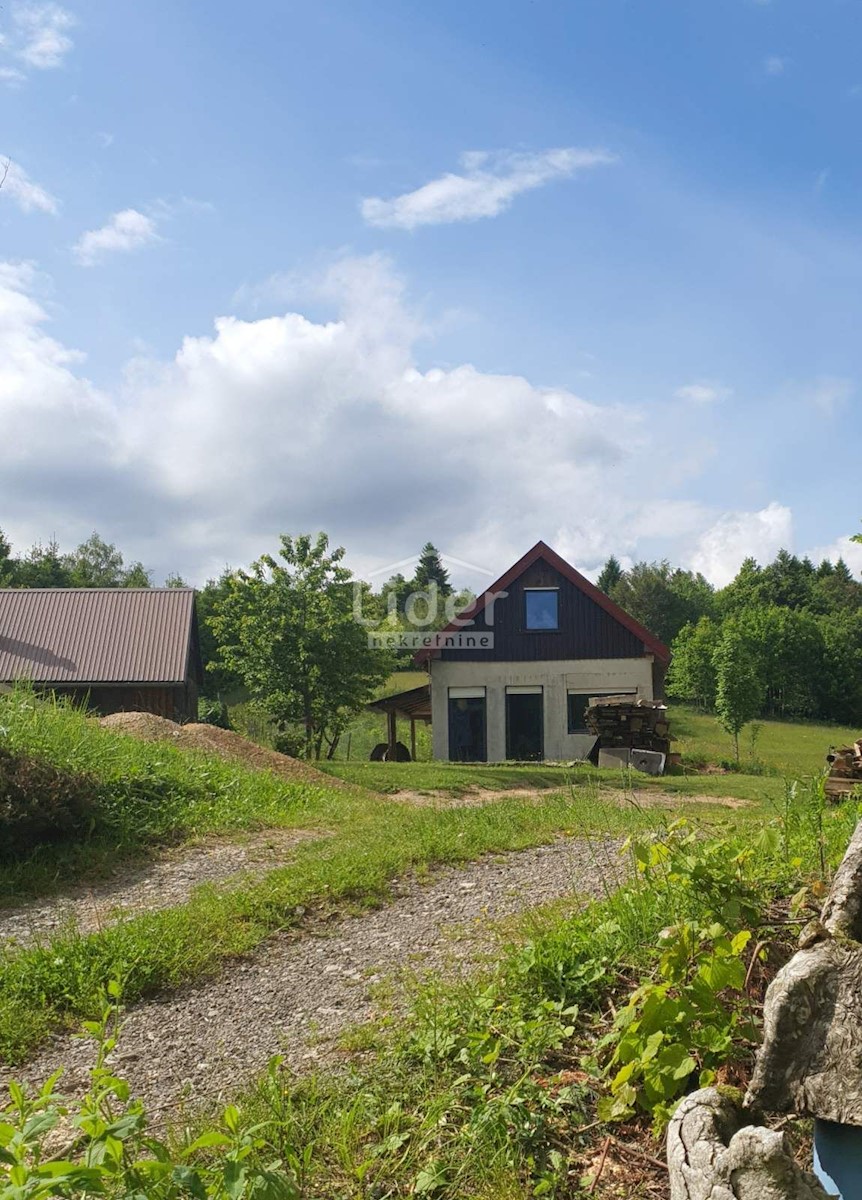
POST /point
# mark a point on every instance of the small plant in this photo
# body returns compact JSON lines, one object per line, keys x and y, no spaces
{"x":109,"y":1152}
{"x":687,"y":1022}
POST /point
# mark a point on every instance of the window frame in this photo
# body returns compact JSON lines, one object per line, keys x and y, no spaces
{"x":528,"y":628}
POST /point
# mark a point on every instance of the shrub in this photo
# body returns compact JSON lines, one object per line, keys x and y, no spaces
{"x":40,"y":803}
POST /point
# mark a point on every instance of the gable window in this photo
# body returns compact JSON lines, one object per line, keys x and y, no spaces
{"x":541,"y":608}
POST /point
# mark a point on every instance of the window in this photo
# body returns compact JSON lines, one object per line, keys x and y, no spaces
{"x":541,"y":608}
{"x":577,"y":706}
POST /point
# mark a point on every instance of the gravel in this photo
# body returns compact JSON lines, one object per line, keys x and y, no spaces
{"x":295,"y":995}
{"x":163,"y":883}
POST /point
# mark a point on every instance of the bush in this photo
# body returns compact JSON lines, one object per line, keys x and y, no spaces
{"x":213,"y":712}
{"x":40,"y":803}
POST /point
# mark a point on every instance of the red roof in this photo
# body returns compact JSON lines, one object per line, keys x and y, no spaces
{"x":544,"y":552}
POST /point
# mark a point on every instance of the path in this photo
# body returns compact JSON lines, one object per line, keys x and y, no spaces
{"x":294,"y":996}
{"x":163,"y":882}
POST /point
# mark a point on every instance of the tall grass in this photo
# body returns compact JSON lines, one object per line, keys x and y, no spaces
{"x":144,"y":794}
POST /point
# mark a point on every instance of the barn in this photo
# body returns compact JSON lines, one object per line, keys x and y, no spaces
{"x":512,"y":676}
{"x":113,"y":649}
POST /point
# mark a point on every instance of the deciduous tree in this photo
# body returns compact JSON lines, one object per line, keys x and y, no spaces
{"x":287,"y":628}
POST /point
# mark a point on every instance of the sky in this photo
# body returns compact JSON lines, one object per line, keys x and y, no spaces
{"x":588,"y":271}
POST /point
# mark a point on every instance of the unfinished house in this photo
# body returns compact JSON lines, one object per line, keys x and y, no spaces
{"x":545,"y":641}
{"x":113,"y":649}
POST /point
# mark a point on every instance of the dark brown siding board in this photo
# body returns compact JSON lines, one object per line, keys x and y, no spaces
{"x":586,"y":630}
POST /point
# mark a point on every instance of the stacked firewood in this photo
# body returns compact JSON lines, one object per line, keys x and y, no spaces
{"x":625,"y":721}
{"x":845,"y":769}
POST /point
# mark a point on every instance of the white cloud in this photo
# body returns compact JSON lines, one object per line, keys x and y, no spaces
{"x":285,"y":423}
{"x":25,"y":192}
{"x":125,"y":231}
{"x":703,"y":392}
{"x":830,"y":394}
{"x":739,"y":535}
{"x":40,"y":34}
{"x":843,"y":547}
{"x":775,"y":64}
{"x":486,"y":187}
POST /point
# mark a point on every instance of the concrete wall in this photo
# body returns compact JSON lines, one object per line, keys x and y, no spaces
{"x":556,"y":679}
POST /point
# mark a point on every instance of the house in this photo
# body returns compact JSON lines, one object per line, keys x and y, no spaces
{"x":115,"y":649}
{"x":515,"y":681}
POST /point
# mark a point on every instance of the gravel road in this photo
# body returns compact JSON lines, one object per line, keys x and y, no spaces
{"x":167,"y":881}
{"x":295,"y":995}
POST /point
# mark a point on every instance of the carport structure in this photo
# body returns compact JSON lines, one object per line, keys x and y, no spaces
{"x":413,"y":705}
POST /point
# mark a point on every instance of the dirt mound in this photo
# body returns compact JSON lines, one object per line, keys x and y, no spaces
{"x":212,"y":740}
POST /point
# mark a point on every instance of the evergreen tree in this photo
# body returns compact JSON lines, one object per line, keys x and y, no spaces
{"x":430,"y":570}
{"x":610,"y":576}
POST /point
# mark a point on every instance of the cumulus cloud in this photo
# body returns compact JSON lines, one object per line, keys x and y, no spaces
{"x":775,"y":64}
{"x":843,"y":547}
{"x":740,"y":535}
{"x":125,"y":231}
{"x":485,"y":187}
{"x":38,"y":39}
{"x":285,"y":424}
{"x":702,"y":393}
{"x":16,"y":185}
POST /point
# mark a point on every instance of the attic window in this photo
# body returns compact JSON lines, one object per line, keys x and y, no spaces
{"x":541,"y":608}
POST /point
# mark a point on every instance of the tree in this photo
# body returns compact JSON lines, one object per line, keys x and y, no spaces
{"x":739,"y":688}
{"x":430,"y":570}
{"x":175,"y":580}
{"x":288,"y":630}
{"x":663,"y":599}
{"x":610,"y":576}
{"x":43,"y":567}
{"x":95,"y":563}
{"x":692,"y":668}
{"x":7,"y":562}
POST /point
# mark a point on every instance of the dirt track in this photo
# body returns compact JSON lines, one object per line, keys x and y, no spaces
{"x":296,"y":994}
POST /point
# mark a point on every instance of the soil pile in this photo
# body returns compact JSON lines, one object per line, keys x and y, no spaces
{"x":212,"y":740}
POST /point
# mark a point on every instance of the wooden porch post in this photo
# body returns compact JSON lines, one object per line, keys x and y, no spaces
{"x":392,"y":735}
{"x":413,"y":738}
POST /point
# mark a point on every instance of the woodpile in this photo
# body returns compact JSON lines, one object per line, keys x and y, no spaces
{"x":845,"y":769}
{"x":623,"y":721}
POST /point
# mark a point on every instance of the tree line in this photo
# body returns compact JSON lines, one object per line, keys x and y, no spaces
{"x":290,"y":632}
{"x":782,"y":640}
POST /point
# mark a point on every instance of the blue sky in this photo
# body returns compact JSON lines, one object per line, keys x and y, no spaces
{"x":586,"y":271}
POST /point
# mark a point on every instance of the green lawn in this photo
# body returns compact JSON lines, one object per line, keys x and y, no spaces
{"x":785,"y":747}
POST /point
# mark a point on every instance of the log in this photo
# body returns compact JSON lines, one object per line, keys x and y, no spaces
{"x":712,"y":1155}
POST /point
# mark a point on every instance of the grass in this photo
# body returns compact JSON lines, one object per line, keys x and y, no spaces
{"x":795,"y":748}
{"x":457,"y":778}
{"x":491,"y":1087}
{"x":145,"y":794}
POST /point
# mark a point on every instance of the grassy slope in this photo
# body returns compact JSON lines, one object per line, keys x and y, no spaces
{"x":788,"y":747}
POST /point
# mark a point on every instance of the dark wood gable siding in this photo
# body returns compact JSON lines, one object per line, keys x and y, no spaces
{"x":586,"y":630}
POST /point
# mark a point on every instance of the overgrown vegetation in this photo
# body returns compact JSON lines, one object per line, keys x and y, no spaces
{"x":588,"y":1025}
{"x":90,"y":796}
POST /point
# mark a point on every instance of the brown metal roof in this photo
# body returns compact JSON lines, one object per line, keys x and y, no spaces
{"x":415,"y":703}
{"x":96,"y":635}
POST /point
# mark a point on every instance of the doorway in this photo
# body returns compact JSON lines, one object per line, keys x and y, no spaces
{"x":525,"y":724}
{"x":467,"y":741}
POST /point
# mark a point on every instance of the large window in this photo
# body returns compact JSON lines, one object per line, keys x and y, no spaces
{"x":541,"y":608}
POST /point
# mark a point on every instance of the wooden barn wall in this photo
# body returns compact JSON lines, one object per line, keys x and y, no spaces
{"x":175,"y":703}
{"x":586,"y":630}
